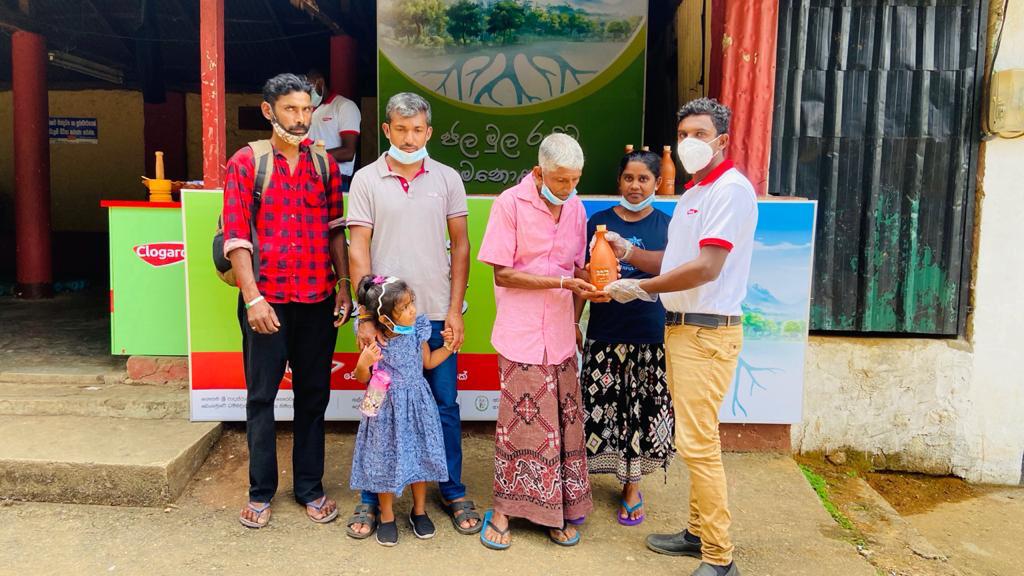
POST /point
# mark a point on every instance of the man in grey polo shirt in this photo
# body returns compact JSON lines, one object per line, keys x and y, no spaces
{"x":400,"y":208}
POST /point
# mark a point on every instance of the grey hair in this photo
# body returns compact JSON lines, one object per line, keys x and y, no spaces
{"x":407,"y":105}
{"x":720,"y":113}
{"x":560,"y":151}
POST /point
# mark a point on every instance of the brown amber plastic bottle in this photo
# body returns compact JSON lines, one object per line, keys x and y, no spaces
{"x":604,"y":266}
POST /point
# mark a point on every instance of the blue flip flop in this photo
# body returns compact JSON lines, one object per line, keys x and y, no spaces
{"x":627,"y":521}
{"x":570,"y":542}
{"x":483,"y":533}
{"x":259,"y":510}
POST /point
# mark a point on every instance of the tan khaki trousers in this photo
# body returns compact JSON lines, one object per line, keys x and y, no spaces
{"x":701,"y":363}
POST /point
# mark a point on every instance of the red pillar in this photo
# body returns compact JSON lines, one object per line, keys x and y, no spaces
{"x":214,"y":91}
{"x":343,"y":66}
{"x":31,"y":165}
{"x":745,"y":42}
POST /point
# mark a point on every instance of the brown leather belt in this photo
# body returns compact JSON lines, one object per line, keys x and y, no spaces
{"x":703,"y":320}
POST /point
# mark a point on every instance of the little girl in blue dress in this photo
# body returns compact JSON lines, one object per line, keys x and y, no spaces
{"x":402,"y":444}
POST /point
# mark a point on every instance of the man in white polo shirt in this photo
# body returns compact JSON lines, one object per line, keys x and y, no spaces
{"x":702,"y":282}
{"x":335,"y":122}
{"x":399,"y":210}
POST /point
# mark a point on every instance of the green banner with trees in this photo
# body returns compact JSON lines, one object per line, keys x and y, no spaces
{"x":501,"y":75}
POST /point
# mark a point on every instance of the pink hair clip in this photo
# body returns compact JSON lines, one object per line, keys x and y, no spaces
{"x":379,"y":279}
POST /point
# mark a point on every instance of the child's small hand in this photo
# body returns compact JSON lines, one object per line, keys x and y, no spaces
{"x":449,"y":338}
{"x":370,"y":355}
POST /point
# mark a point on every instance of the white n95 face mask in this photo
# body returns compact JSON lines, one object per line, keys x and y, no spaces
{"x":695,"y":154}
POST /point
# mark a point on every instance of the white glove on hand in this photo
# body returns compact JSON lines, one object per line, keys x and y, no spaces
{"x":627,"y":290}
{"x":620,"y":246}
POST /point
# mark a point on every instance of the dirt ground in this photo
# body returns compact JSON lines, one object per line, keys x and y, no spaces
{"x":779,"y":527}
{"x":917,"y":493}
{"x":919,"y":525}
{"x":982,"y":536}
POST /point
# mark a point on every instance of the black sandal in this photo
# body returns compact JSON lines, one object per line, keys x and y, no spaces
{"x":422,"y":526}
{"x":387,"y":533}
{"x":461,"y":511}
{"x":362,"y":516}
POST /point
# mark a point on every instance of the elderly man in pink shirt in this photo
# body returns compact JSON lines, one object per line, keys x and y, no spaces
{"x":536,"y":241}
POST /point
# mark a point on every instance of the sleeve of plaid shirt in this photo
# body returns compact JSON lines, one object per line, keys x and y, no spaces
{"x":238,"y":186}
{"x":335,"y":199}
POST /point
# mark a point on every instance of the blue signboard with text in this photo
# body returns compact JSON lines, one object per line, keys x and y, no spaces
{"x":74,"y":130}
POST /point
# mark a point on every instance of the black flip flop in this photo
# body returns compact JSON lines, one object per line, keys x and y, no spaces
{"x":422,"y":526}
{"x":362,"y":516}
{"x":463,"y":510}
{"x":387,"y":533}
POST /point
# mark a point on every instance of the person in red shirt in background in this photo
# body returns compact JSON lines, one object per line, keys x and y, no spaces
{"x":290,"y":313}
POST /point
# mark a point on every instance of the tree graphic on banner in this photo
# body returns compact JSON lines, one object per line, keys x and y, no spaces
{"x":487,"y":49}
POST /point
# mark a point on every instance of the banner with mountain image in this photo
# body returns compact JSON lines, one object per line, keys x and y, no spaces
{"x":502,"y":74}
{"x":768,"y":387}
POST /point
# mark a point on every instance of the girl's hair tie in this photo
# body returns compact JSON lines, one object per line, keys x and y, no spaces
{"x":379,"y":279}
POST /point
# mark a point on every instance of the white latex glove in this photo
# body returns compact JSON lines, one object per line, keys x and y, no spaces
{"x":627,"y":290}
{"x":620,"y":246}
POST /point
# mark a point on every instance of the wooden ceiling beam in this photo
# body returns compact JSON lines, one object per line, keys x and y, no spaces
{"x":313,"y":9}
{"x":279,"y":26}
{"x":14,"y":20}
{"x":127,"y":45}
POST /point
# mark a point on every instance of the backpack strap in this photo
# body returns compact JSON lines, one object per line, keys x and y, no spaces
{"x":320,"y":163}
{"x":263,"y":154}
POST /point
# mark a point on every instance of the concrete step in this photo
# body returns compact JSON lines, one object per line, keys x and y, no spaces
{"x":100,"y":460}
{"x":115,"y":400}
{"x":43,"y":368}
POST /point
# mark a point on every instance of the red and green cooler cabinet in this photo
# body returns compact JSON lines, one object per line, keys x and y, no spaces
{"x":147,"y":279}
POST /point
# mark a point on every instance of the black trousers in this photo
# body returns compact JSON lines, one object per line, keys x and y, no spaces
{"x":305,"y":342}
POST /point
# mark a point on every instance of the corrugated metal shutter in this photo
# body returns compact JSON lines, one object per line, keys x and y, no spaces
{"x":876,"y":117}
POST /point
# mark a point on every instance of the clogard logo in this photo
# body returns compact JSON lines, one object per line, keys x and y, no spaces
{"x":161,"y":253}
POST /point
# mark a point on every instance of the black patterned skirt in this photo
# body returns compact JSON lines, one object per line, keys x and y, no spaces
{"x":628,"y":421}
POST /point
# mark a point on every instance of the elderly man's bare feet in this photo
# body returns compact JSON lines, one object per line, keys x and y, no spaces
{"x":567,"y":536}
{"x":495,"y":532}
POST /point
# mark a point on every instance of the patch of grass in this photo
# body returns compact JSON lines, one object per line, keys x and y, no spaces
{"x":821,"y":489}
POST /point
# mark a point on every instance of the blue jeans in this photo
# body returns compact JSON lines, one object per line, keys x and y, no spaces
{"x":443,"y":381}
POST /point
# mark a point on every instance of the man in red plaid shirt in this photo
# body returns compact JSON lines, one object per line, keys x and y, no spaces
{"x":290,"y":314}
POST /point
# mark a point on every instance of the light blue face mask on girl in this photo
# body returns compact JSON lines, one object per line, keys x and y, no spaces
{"x":550,"y":197}
{"x":638,"y":206}
{"x":403,"y":157}
{"x":401,"y":329}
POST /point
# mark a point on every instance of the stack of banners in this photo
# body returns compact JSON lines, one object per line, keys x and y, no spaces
{"x":500,"y":76}
{"x":769,"y":379}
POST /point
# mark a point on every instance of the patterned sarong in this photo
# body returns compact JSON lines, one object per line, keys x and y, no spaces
{"x":540,"y":462}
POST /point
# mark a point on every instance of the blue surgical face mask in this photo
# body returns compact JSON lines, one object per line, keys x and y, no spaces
{"x":638,"y":207}
{"x":403,"y":157}
{"x":400,"y":329}
{"x":403,"y":330}
{"x":550,"y":197}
